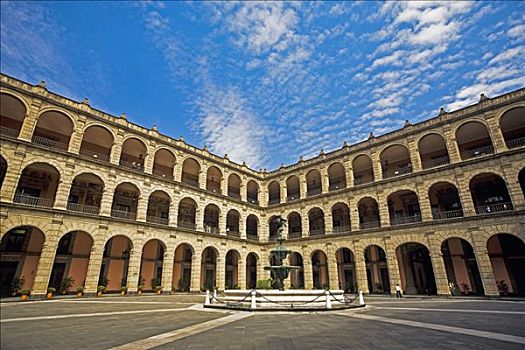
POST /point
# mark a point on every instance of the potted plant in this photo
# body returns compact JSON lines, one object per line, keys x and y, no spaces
{"x":503,"y":288}
{"x":140,"y":288}
{"x":25,"y":294}
{"x":158,"y":289}
{"x":16,"y":285}
{"x":50,"y":292}
{"x":66,"y":284}
{"x":100,"y":290}
{"x":123,"y":290}
{"x":80,"y":291}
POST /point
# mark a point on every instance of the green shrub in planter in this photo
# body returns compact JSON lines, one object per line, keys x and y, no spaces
{"x":51,"y":290}
{"x":101,"y":289}
{"x":264,"y":284}
{"x":25,"y":291}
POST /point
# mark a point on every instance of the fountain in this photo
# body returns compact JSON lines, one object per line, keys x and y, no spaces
{"x":278,"y":298}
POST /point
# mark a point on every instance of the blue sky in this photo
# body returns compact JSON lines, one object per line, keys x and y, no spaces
{"x":268,"y":82}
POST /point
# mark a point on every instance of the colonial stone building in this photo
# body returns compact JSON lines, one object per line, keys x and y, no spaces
{"x":98,"y":200}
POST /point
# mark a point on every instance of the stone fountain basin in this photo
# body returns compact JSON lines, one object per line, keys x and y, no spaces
{"x":267,"y":297}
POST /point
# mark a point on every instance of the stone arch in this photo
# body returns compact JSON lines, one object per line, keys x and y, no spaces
{"x":395,"y":160}
{"x":13,"y":113}
{"x":54,"y":128}
{"x":85,"y":194}
{"x":296,"y":275}
{"x":521,"y":181}
{"x":473,"y":138}
{"x":209,"y":263}
{"x":368,"y":211}
{"x":336,"y":176}
{"x":316,"y":221}
{"x":403,"y":207}
{"x":115,"y":261}
{"x":3,"y":170}
{"x":134,"y":152}
{"x":252,"y":227}
{"x":125,"y":200}
{"x":97,"y":141}
{"x":295,"y":229}
{"x":151,"y":265}
{"x":273,"y":228}
{"x":510,"y":121}
{"x":252,"y":192}
{"x":507,"y":256}
{"x":461,"y":267}
{"x":252,"y":260}
{"x":432,"y":150}
{"x":274,"y":192}
{"x":234,"y":186}
{"x":186,"y":217}
{"x":182,"y":267}
{"x":340,"y":218}
{"x":293,"y":188}
{"x":362,"y":169}
{"x":415,"y":268}
{"x":191,"y":169}
{"x":158,"y":209}
{"x":489,"y":193}
{"x":214,"y":179}
{"x":164,"y":161}
{"x":445,"y":202}
{"x":320,"y":276}
{"x":233,"y":218}
{"x":38,"y":185}
{"x":212,"y":213}
{"x":313,"y":183}
{"x":376,"y":269}
{"x":231,"y":273}
{"x":346,"y":270}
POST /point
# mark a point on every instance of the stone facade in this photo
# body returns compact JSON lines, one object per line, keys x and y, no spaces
{"x":420,"y":222}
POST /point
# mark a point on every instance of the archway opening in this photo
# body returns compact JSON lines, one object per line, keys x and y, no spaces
{"x":182,"y":268}
{"x":507,"y":257}
{"x":232,"y":223}
{"x":336,"y":177}
{"x":293,"y":191}
{"x":125,"y":201}
{"x":368,"y":213}
{"x":3,"y":170}
{"x":473,"y":140}
{"x":295,"y":229}
{"x":296,"y":275}
{"x":97,"y":143}
{"x":37,"y":185}
{"x":251,"y":271}
{"x":53,"y":129}
{"x":489,"y":194}
{"x":403,"y":208}
{"x":340,"y":218}
{"x":115,"y":263}
{"x":274,"y":193}
{"x":20,"y":251}
{"x":252,"y":227}
{"x":376,"y":270}
{"x":461,"y":267}
{"x":395,"y":161}
{"x":313,"y":183}
{"x":86,"y":194}
{"x":316,"y":222}
{"x":211,"y":219}
{"x":346,"y":270}
{"x":433,"y":151}
{"x":273,"y":225}
{"x":71,"y":262}
{"x":190,"y":172}
{"x":232,"y":269}
{"x":234,"y":186}
{"x":363,"y":170}
{"x":444,"y":201}
{"x":320,"y":270}
{"x":164,"y":163}
{"x":133,"y":154}
{"x":415,"y":269}
{"x":252,"y":192}
{"x":187,"y":213}
{"x":12,"y":115}
{"x":150,"y":277}
{"x":158,"y":208}
{"x":213,"y":179}
{"x":513,"y":127}
{"x":208,"y":269}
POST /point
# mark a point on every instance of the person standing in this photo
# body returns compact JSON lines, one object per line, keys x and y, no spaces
{"x":398,"y":292}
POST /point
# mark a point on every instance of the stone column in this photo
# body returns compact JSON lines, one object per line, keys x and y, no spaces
{"x":376,"y":165}
{"x":392,"y":264}
{"x":199,"y":219}
{"x":62,"y":193}
{"x":174,"y":212}
{"x":497,"y":138}
{"x":224,"y":184}
{"x":107,"y":199}
{"x":438,"y":266}
{"x":220,"y":268}
{"x":384,"y":215}
{"x":333,"y":276}
{"x":243,"y":189}
{"x":149,"y":159}
{"x":264,"y":230}
{"x":77,"y":135}
{"x":284,"y":191}
{"x":452,"y":148}
{"x":360,"y":266}
{"x":305,"y":224}
{"x":308,"y":273}
{"x":167,"y":269}
{"x":202,"y":179}
{"x":30,"y":120}
{"x":116,"y":150}
{"x":410,"y":286}
{"x":349,"y":173}
{"x":354,"y":214}
{"x":328,"y":221}
{"x":142,"y":207}
{"x":11,"y":179}
{"x":414,"y":155}
{"x":94,"y":266}
{"x":45,"y":264}
{"x":135,"y":259}
{"x":303,"y":188}
{"x":222,"y":221}
{"x":465,"y":196}
{"x":424,"y":202}
{"x":513,"y":186}
{"x":196,"y":271}
{"x":325,"y":180}
{"x":241,"y":269}
{"x":242,"y":225}
{"x":484,"y":265}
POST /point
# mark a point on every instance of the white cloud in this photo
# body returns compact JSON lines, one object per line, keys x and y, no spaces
{"x":508,"y":54}
{"x":517,"y":31}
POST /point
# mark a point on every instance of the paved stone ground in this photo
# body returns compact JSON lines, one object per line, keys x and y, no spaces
{"x":172,"y":322}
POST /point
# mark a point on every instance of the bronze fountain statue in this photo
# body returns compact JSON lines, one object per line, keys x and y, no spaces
{"x":279,"y":272}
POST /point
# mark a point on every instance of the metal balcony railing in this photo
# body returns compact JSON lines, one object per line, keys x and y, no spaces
{"x":95,"y":155}
{"x":83,"y":208}
{"x":234,"y":194}
{"x":252,"y":236}
{"x":186,"y":224}
{"x":132,"y":165}
{"x":342,"y":229}
{"x":295,"y":234}
{"x":123,"y":214}
{"x":274,"y":201}
{"x":190,"y":182}
{"x":493,"y":208}
{"x":157,"y":220}
{"x":314,"y":191}
{"x":8,"y":132}
{"x":397,"y":172}
{"x":33,"y":201}
{"x":211,"y":229}
{"x":405,"y":220}
{"x":519,"y":142}
{"x":233,"y":233}
{"x":317,"y":232}
{"x":164,"y":176}
{"x":450,"y":214}
{"x":477,"y":152}
{"x":369,"y":225}
{"x":292,"y":197}
{"x":337,"y":183}
{"x":42,"y":141}
{"x":252,"y":200}
{"x":433,"y":163}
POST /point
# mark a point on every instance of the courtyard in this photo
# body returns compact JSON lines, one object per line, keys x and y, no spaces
{"x":180,"y":322}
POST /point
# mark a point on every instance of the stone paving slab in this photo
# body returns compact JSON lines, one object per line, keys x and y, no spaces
{"x":453,"y":304}
{"x":330,"y":332}
{"x":95,"y":332}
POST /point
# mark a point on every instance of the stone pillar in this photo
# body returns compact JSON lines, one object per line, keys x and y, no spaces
{"x":305,"y":224}
{"x":149,"y":159}
{"x":333,"y":276}
{"x":376,"y":165}
{"x":220,"y":269}
{"x":325,"y":180}
{"x":107,"y":199}
{"x":452,"y":148}
{"x":11,"y":179}
{"x":308,"y":273}
{"x":196,"y":271}
{"x":174,"y":212}
{"x":30,"y":120}
{"x":222,"y":220}
{"x":116,"y":150}
{"x":349,"y":173}
{"x":94,"y":266}
{"x":303,"y":188}
{"x":242,"y":225}
{"x":384,"y":216}
{"x":202,"y":179}
{"x":177,"y":169}
{"x":354,"y":214}
{"x":142,"y":207}
{"x":199,"y":219}
{"x":77,"y":135}
{"x":465,"y":196}
{"x":243,"y":189}
{"x":438,"y":266}
{"x":513,"y":186}
{"x":284,"y":191}
{"x":424,"y":202}
{"x":392,"y":264}
{"x":360,"y":266}
{"x":63,"y":189}
{"x":264,"y":229}
{"x":241,"y":270}
{"x":135,"y":259}
{"x":167,"y":268}
{"x":414,"y":155}
{"x":495,"y":135}
{"x":224,"y":184}
{"x":484,"y":266}
{"x":45,"y":263}
{"x":328,"y":221}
